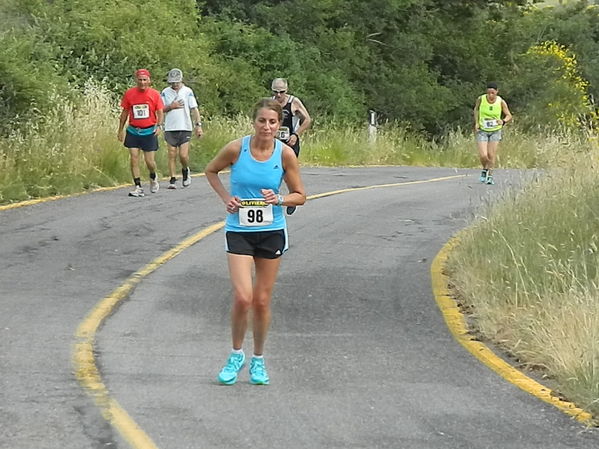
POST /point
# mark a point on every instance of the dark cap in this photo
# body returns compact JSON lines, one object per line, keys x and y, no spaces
{"x":492,"y":85}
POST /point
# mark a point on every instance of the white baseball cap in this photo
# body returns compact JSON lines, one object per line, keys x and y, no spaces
{"x":175,"y":76}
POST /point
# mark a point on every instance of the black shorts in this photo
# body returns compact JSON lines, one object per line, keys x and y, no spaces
{"x":263,"y":244}
{"x":177,"y":138}
{"x":296,"y":147}
{"x":146,"y":143}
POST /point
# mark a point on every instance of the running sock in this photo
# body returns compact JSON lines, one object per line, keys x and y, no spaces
{"x":152,"y":176}
{"x":258,"y":356}
{"x":137,"y":181}
{"x":237,"y":351}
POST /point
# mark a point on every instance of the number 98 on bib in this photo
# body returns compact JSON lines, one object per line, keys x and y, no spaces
{"x":255,"y":212}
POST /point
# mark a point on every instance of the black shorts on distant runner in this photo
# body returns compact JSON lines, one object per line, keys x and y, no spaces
{"x":296,"y":147}
{"x":263,"y":244}
{"x":146,"y":143}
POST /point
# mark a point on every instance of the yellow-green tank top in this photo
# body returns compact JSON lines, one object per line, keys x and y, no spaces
{"x":489,"y":114}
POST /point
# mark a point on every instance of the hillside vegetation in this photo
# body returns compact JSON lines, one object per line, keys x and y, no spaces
{"x":417,"y":62}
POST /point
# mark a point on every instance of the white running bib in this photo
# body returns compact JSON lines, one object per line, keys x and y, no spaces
{"x":141,"y":111}
{"x":255,"y":212}
{"x":283,"y":133}
{"x":490,"y":123}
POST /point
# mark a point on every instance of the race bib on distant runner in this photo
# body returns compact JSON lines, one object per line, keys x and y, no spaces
{"x":489,"y":123}
{"x":283,"y":133}
{"x":255,"y":212}
{"x":141,"y":111}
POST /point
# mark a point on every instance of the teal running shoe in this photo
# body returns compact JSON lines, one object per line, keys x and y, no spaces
{"x":228,"y":375}
{"x":483,"y":176}
{"x":258,"y":374}
{"x":490,"y":180}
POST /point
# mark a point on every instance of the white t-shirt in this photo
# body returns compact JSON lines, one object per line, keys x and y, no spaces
{"x":179,"y":119}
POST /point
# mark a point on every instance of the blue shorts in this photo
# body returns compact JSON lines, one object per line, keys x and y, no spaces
{"x":146,"y":143}
{"x":488,"y":136}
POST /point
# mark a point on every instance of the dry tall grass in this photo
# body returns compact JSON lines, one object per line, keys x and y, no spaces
{"x":529,"y":273}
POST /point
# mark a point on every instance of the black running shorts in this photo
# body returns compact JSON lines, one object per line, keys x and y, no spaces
{"x":263,"y":244}
{"x":296,"y":147}
{"x":146,"y":143}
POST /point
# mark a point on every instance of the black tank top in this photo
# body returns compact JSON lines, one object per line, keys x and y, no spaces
{"x":287,"y":127}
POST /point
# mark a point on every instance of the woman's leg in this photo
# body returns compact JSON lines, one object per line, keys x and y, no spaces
{"x":266,"y":275}
{"x":492,"y":153}
{"x":483,"y":153}
{"x":240,"y":271}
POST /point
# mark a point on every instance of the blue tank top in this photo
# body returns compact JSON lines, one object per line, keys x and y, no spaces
{"x":248,"y":177}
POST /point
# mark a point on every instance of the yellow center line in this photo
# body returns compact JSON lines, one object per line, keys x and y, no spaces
{"x":378,"y":186}
{"x":89,"y":377}
{"x":84,"y":362}
{"x":457,"y":326}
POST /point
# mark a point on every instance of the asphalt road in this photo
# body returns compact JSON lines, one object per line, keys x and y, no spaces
{"x":358,"y":354}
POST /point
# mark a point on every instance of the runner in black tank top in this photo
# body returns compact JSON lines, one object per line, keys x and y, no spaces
{"x":287,"y":127}
{"x":296,"y":118}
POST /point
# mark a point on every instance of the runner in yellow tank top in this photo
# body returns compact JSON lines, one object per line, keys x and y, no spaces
{"x":488,"y":124}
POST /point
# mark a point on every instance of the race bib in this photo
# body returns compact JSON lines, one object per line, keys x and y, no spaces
{"x":490,"y":123}
{"x":141,"y":111}
{"x":283,"y":133}
{"x":255,"y":212}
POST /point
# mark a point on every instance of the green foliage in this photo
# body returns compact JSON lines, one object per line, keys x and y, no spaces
{"x":110,"y":39}
{"x":417,"y":62}
{"x":26,"y":76}
{"x":550,"y":87}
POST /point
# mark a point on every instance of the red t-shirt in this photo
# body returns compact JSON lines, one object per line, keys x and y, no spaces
{"x":142,"y":106}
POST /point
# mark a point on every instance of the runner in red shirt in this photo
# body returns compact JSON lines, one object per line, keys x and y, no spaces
{"x":143,"y":109}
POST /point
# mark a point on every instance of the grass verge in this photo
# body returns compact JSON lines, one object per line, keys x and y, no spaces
{"x":527,"y":273}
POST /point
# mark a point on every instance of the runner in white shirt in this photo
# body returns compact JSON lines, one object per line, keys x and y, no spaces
{"x":182,"y":116}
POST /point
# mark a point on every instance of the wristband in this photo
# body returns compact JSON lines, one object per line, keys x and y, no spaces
{"x":279,"y":200}
{"x":198,"y":124}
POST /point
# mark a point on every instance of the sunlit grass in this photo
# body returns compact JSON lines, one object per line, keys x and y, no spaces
{"x":529,"y":273}
{"x":66,"y":152}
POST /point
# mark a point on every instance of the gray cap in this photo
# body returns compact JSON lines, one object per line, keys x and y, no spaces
{"x":175,"y":76}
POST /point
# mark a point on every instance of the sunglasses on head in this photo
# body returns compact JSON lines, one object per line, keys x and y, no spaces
{"x":279,"y":91}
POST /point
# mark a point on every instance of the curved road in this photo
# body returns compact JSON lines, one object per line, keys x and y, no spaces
{"x":359,"y":355}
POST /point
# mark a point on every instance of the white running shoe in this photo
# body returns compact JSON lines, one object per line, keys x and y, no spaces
{"x":137,"y":192}
{"x":186,"y":177}
{"x":154,"y":185}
